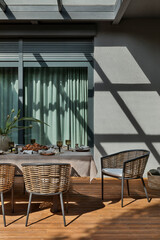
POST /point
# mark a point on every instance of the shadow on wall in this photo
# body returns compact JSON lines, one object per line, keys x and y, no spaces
{"x":129,"y":116}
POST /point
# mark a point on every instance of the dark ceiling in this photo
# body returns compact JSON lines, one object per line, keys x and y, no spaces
{"x":143,"y":9}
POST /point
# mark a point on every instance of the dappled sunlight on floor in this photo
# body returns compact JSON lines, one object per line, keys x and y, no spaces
{"x":88,"y":216}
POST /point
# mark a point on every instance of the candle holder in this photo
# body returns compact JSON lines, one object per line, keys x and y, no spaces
{"x":59,"y":144}
{"x":33,"y":141}
{"x":68,"y":143}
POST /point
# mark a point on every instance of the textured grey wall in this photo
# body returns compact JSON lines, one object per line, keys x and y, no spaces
{"x":127,"y":87}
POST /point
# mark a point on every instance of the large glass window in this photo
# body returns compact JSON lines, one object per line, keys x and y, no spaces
{"x":59,"y":97}
{"x":8,"y":95}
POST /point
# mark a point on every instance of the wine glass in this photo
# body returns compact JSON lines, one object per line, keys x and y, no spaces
{"x":33,"y":141}
{"x":68,"y":142}
{"x":59,"y":144}
{"x":11,"y":145}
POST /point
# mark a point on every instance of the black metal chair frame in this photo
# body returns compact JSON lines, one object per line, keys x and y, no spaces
{"x":123,"y":173}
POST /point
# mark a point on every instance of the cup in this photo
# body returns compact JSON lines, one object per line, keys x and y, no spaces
{"x":59,"y":144}
{"x":11,"y":145}
{"x":33,"y":141}
{"x":68,"y":143}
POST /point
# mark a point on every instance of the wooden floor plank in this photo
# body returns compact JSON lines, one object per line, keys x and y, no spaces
{"x":89,"y":217}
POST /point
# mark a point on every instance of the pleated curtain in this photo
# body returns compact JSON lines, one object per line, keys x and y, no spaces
{"x":8,"y":96}
{"x":57,"y":96}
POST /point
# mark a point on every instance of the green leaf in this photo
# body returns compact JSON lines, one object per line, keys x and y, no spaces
{"x":11,"y":121}
{"x":32,"y":119}
{"x":18,"y":128}
{"x":8,"y":124}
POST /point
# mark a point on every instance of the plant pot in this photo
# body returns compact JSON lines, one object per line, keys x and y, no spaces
{"x":4,"y":142}
{"x":153,"y":181}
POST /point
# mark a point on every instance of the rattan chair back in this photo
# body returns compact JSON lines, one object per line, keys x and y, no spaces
{"x":46,"y":178}
{"x":116,"y":160}
{"x":7,"y":172}
{"x":135,"y":167}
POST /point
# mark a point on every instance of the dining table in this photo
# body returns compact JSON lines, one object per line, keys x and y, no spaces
{"x":82,"y":163}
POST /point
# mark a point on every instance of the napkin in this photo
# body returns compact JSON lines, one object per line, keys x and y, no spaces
{"x":27,"y":152}
{"x":84,"y":147}
{"x":50,"y":150}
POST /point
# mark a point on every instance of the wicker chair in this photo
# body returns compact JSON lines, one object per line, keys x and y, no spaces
{"x":46,"y":179}
{"x":7,"y":172}
{"x":124,"y":166}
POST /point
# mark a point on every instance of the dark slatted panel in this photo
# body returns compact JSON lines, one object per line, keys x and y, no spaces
{"x":8,"y":50}
{"x":47,"y":50}
{"x":58,"y":50}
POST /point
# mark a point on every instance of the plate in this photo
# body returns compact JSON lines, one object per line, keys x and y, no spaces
{"x":47,"y":154}
{"x":82,"y":150}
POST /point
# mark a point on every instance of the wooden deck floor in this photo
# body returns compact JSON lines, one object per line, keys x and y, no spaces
{"x":88,"y":217}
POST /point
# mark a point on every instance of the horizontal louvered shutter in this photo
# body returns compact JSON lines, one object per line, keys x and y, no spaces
{"x":52,"y":50}
{"x":9,"y":51}
{"x":57,"y":51}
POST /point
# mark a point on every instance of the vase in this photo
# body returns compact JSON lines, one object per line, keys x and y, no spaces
{"x":4,"y":142}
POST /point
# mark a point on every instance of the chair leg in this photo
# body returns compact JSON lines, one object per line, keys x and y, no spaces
{"x":29,"y":205}
{"x":67,"y":196}
{"x":122,"y":189}
{"x":3,"y":212}
{"x":24,"y":189}
{"x":62,"y":207}
{"x":102,"y":186}
{"x":12,"y":199}
{"x":128,"y":187}
{"x":145,"y":189}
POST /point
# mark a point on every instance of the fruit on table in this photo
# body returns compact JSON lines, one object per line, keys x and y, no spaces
{"x":34,"y":147}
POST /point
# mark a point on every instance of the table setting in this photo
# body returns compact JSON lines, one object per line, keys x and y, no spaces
{"x":35,"y":148}
{"x":80,"y":158}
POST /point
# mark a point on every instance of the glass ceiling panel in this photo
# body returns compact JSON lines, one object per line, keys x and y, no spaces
{"x":65,"y":2}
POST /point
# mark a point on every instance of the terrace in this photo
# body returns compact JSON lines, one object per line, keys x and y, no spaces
{"x":89,"y":71}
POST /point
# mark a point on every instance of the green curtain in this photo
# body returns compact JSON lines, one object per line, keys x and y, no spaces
{"x":8,"y":95}
{"x":59,"y":97}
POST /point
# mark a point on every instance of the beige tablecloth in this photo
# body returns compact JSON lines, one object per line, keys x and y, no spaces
{"x":82,"y":163}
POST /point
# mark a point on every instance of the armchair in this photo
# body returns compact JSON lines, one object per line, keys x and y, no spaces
{"x":125,"y":165}
{"x":46,"y":179}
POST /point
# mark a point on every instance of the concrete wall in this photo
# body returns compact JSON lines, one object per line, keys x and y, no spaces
{"x":127,"y":87}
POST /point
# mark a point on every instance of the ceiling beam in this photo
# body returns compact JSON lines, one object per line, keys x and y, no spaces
{"x":3,"y":5}
{"x":123,"y":7}
{"x":34,"y":22}
{"x":59,"y":2}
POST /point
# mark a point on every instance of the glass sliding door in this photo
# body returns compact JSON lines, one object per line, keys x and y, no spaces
{"x":8,"y":95}
{"x":59,"y":97}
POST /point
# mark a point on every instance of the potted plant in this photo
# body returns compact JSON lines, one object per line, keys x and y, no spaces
{"x":10,"y":125}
